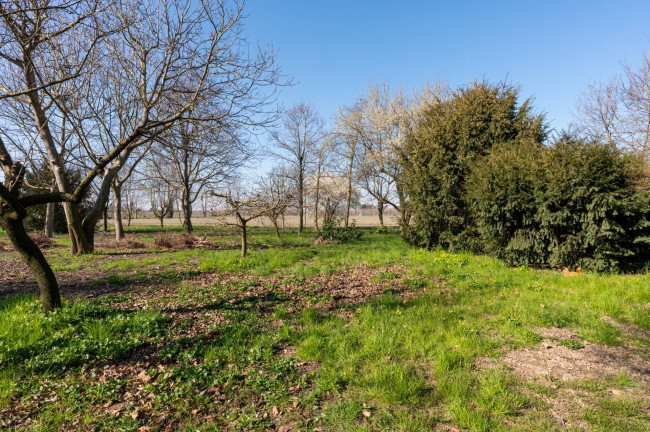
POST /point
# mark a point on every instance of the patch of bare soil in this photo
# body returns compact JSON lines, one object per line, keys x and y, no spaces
{"x":561,"y":363}
{"x":324,"y":291}
{"x":551,"y":363}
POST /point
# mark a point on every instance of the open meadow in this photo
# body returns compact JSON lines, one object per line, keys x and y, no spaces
{"x":368,"y":335}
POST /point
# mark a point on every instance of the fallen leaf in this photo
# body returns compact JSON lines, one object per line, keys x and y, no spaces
{"x":142,"y":376}
{"x":365,"y":413}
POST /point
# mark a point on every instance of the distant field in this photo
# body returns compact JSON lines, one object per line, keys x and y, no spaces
{"x":290,"y":221}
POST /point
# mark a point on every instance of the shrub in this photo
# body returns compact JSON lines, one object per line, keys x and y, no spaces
{"x":575,"y":203}
{"x":442,"y":149}
{"x":41,"y":239}
{"x":332,"y":231}
{"x":183,"y":241}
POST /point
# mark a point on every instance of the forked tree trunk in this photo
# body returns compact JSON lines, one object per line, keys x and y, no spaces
{"x":79,"y":242}
{"x":33,"y":257}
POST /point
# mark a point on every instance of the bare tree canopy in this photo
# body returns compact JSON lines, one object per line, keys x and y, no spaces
{"x":296,"y":143}
{"x":618,"y":111}
{"x":95,"y":81}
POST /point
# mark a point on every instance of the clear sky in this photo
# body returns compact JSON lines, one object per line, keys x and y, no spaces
{"x":553,"y":49}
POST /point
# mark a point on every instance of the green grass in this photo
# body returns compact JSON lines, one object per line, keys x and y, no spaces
{"x":389,"y":363}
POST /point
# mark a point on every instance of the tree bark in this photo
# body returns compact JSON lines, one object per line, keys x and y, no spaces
{"x":33,"y":257}
{"x":117,"y":211}
{"x":348,"y":198}
{"x":380,"y":212}
{"x":277,"y":229}
{"x":49,"y":220}
{"x":105,"y":219}
{"x":187,"y":210}
{"x":301,"y":198}
{"x":316,"y":202}
{"x":78,"y":240}
{"x":244,"y":239}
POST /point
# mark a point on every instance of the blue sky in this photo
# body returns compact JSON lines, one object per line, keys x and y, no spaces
{"x":553,"y":49}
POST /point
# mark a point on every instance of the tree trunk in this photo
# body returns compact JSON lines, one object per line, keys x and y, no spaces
{"x":105,"y":213}
{"x":380,"y":212}
{"x":301,"y":200}
{"x":79,"y":243}
{"x":348,"y":198}
{"x":277,"y":230}
{"x":49,"y":220}
{"x":117,"y":212}
{"x":33,"y":257}
{"x":187,"y":210}
{"x":161,"y":218}
{"x":316,"y":203}
{"x":244,"y":241}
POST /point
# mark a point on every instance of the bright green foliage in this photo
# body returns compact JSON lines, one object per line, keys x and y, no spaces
{"x":443,"y":148}
{"x":575,"y":203}
{"x":331,"y":230}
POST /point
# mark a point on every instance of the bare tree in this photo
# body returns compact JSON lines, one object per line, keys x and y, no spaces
{"x":376,"y":128}
{"x":276,"y":193}
{"x":322,"y":163}
{"x":347,"y":136}
{"x":296,"y":143}
{"x":193,"y":157}
{"x":334,"y":195}
{"x":244,"y":208}
{"x":160,"y":60}
{"x":162,"y":198}
{"x":618,"y":111}
{"x":130,"y":202}
{"x":152,"y":63}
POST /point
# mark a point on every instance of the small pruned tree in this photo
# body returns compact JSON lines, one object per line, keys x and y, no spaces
{"x":277,"y":194}
{"x":245,"y":209}
{"x":162,"y":199}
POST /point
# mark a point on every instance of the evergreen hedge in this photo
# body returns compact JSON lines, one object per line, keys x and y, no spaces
{"x":574,"y":203}
{"x":479,"y":177}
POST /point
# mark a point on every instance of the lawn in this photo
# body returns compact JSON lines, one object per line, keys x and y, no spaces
{"x":370,"y":335}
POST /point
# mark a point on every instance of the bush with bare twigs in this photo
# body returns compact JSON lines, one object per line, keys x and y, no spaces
{"x":126,"y":243}
{"x":41,"y":239}
{"x":183,"y":241}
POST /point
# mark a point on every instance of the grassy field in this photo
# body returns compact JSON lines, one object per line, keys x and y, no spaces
{"x":371,"y":335}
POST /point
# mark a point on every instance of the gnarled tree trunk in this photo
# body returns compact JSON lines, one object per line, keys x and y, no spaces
{"x":33,"y":257}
